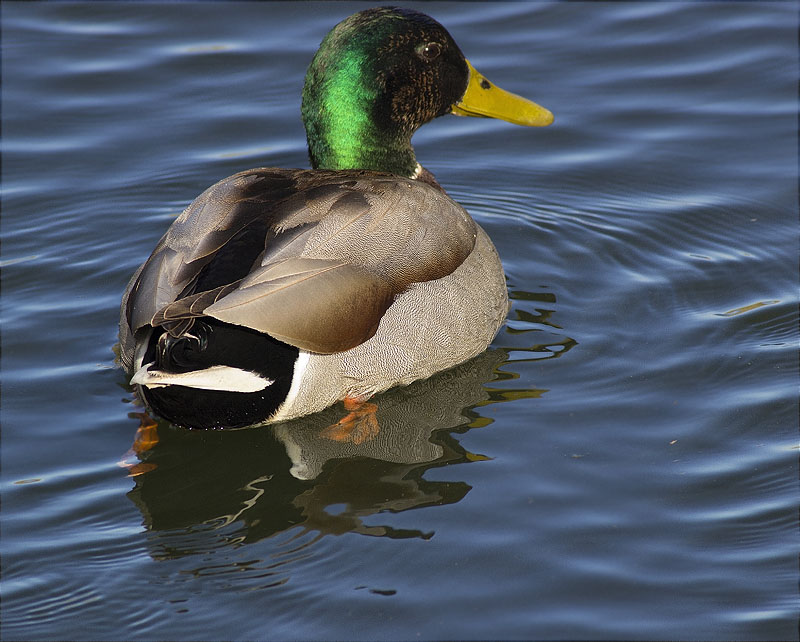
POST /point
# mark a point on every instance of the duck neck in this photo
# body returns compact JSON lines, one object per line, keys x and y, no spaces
{"x":347,"y":124}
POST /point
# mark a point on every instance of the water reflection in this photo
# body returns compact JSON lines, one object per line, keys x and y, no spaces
{"x":247,"y":485}
{"x":531,"y":334}
{"x":271,"y":479}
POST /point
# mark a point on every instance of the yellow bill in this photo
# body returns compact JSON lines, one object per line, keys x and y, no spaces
{"x":483,"y":99}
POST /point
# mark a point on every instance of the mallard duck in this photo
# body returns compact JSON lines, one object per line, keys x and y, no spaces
{"x":279,"y":292}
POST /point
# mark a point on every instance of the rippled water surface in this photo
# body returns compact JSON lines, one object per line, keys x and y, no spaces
{"x":623,"y":463}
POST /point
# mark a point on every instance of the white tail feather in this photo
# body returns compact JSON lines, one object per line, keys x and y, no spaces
{"x":223,"y":378}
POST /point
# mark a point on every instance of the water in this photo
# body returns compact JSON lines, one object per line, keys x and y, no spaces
{"x":622,"y":464}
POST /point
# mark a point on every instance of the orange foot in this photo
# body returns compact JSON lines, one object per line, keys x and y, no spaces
{"x":146,"y":434}
{"x":358,"y":426}
{"x":146,"y":437}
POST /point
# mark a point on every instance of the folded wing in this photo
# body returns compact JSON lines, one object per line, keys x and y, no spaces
{"x":313,"y":259}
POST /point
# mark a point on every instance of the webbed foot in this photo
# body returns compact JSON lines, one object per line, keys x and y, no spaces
{"x":358,"y":426}
{"x":146,"y":437}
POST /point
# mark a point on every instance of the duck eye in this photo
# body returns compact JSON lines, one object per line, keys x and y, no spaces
{"x":429,"y":51}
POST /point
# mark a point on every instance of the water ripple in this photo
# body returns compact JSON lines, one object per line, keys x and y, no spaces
{"x":631,"y":444}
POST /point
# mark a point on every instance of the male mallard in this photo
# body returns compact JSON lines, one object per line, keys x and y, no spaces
{"x":279,"y":292}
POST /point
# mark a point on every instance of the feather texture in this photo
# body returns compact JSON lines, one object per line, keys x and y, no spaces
{"x":328,"y":253}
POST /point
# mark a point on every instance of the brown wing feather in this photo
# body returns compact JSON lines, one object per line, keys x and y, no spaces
{"x":339,"y":247}
{"x":315,"y":304}
{"x":204,"y":227}
{"x":189,"y":307}
{"x":405,"y":231}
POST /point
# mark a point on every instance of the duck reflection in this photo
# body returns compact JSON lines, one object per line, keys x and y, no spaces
{"x":277,"y":477}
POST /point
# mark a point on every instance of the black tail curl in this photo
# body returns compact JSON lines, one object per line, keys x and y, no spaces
{"x":209,"y":343}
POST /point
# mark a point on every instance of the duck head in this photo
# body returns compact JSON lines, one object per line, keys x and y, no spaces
{"x":382,"y":73}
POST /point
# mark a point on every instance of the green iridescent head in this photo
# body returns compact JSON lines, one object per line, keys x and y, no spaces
{"x":378,"y":76}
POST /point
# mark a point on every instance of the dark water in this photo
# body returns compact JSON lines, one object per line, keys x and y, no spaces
{"x":622,"y":464}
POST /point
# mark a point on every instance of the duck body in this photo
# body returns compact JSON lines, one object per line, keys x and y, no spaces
{"x":279,"y":292}
{"x":353,"y":282}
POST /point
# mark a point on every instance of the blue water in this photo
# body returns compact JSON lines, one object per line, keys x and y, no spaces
{"x":623,"y":463}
